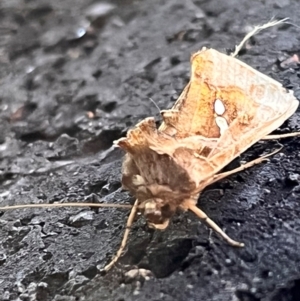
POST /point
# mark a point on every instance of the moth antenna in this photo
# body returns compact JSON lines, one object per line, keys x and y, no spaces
{"x":255,"y":31}
{"x":155,"y":104}
{"x":66,"y":205}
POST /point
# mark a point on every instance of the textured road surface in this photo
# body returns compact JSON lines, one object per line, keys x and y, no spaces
{"x":73,"y":78}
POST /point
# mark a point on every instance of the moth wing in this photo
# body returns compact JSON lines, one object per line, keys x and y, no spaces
{"x":230,"y":101}
{"x":241,"y":91}
{"x":254,"y":106}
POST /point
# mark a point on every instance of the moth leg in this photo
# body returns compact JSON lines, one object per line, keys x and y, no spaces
{"x":191,"y":205}
{"x":243,"y":167}
{"x":274,"y":137}
{"x":125,"y":237}
{"x":213,"y":225}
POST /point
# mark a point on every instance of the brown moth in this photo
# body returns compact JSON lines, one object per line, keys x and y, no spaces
{"x":226,"y":107}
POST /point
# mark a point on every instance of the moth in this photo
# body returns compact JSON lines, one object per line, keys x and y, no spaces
{"x":226,"y":107}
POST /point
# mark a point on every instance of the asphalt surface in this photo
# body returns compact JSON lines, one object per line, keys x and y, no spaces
{"x":74,"y":78}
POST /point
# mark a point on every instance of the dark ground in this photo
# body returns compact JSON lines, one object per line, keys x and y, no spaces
{"x":52,"y":150}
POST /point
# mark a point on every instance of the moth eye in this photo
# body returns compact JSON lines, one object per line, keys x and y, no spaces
{"x":222,"y":124}
{"x":219,"y":107}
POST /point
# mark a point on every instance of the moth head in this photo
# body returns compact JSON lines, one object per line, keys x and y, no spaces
{"x":157,"y":213}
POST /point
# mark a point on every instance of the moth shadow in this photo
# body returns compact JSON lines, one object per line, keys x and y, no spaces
{"x":161,"y":252}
